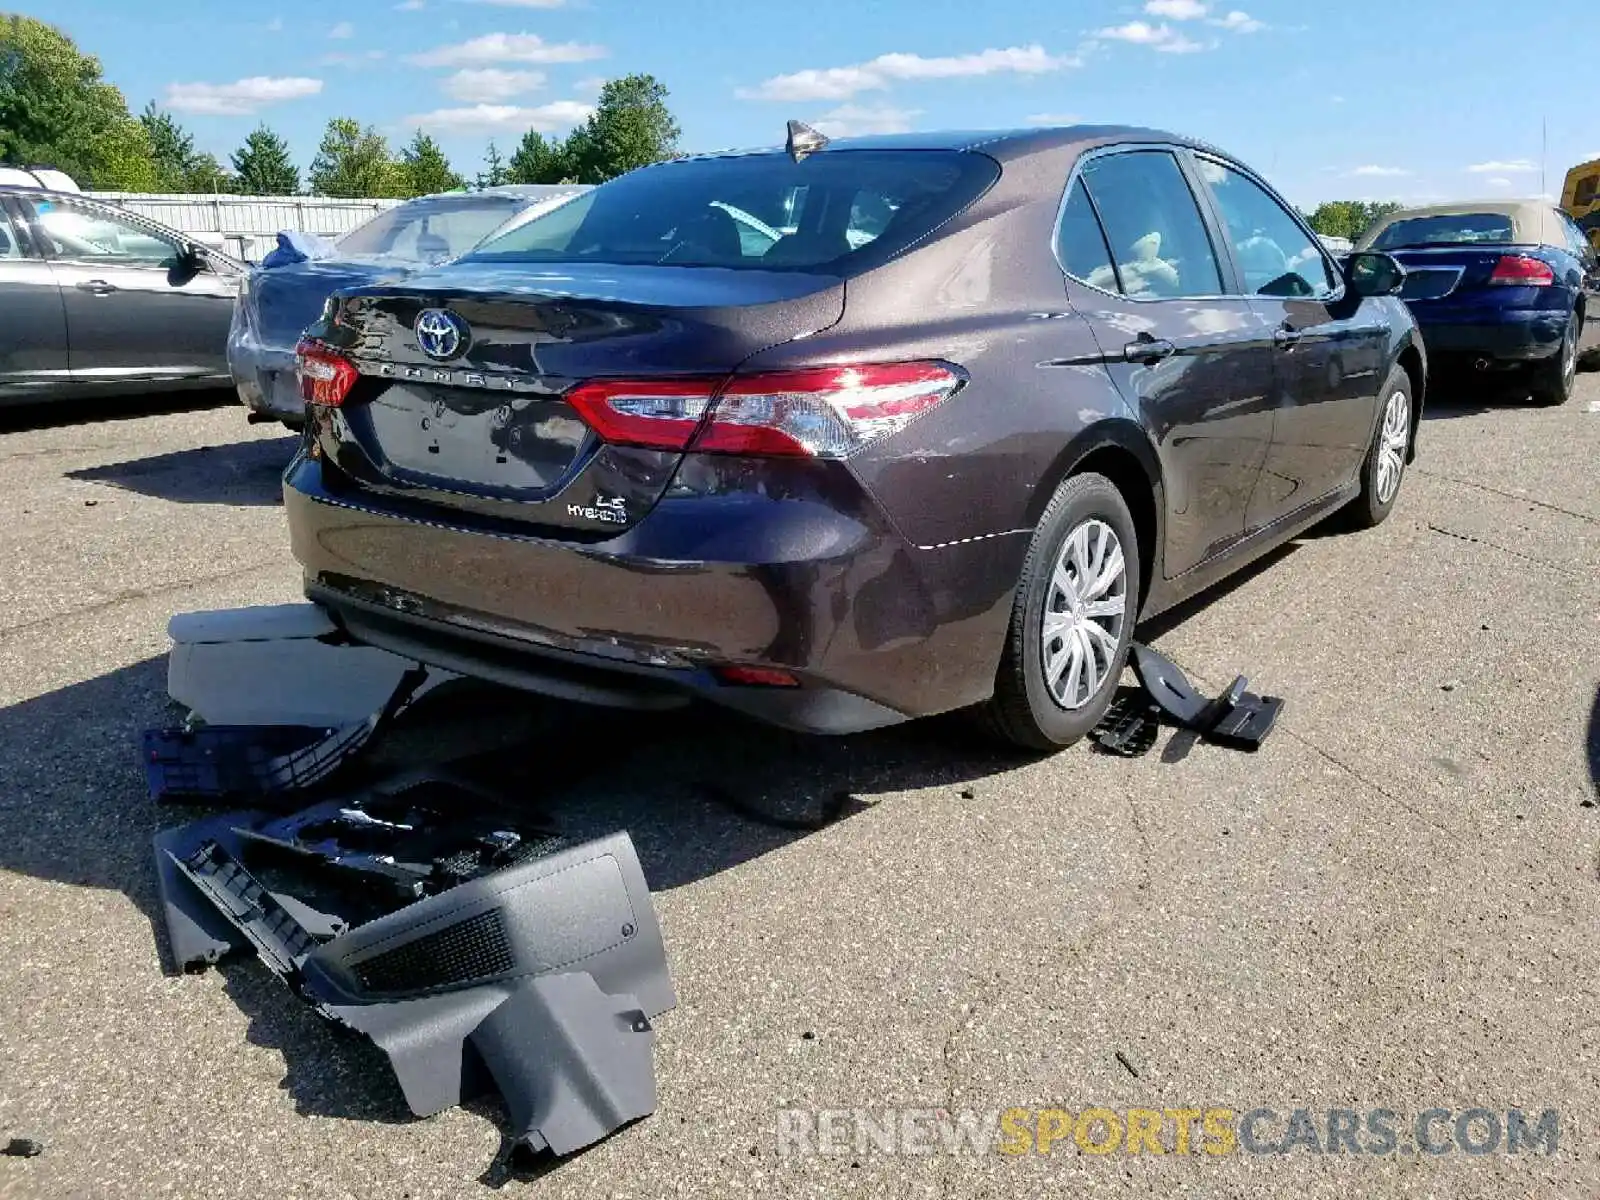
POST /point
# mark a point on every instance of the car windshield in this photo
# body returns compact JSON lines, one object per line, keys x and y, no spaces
{"x":836,"y":211}
{"x":1457,"y":229}
{"x":431,"y":230}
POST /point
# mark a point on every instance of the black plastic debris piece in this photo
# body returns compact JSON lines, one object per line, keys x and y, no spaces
{"x":23,"y":1147}
{"x":1237,"y":718}
{"x":472,"y":945}
{"x":248,"y":762}
{"x":1130,"y":726}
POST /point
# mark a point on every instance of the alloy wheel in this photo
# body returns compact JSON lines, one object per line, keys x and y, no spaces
{"x":1086,"y":606}
{"x":1393,"y":439}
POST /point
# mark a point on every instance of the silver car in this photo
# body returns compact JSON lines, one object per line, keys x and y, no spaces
{"x":278,"y":301}
{"x":98,"y":301}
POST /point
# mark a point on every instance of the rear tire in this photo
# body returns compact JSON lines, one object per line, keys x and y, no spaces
{"x":1384,"y":469}
{"x":1072,"y":620}
{"x":1554,"y":379}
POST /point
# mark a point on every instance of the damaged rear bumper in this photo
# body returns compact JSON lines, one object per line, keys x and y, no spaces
{"x":538,"y":978}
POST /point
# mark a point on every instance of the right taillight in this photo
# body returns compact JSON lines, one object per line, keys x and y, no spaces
{"x":821,"y":412}
{"x":1522,"y":270}
{"x":326,"y":376}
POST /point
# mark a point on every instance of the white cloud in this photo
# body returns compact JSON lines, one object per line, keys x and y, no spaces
{"x":508,"y":47}
{"x":1377,"y":172}
{"x":485,"y":85}
{"x":344,"y":29}
{"x":1177,"y":10}
{"x":1053,"y":118}
{"x":503,"y":118}
{"x":410,"y":6}
{"x":1239,"y":22}
{"x":1158,"y":37}
{"x":590,"y":86}
{"x":1499,"y":181}
{"x":1140,"y":33}
{"x":840,"y":83}
{"x":238,"y":99}
{"x":1516,"y":166}
{"x":855,"y":120}
{"x":521,"y":3}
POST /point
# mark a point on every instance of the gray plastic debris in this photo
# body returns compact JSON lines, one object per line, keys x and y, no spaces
{"x":540,"y":977}
{"x":279,"y":665}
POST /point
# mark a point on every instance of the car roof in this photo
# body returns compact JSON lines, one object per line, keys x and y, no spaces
{"x":1004,"y":144}
{"x":508,"y":191}
{"x":1533,"y":222}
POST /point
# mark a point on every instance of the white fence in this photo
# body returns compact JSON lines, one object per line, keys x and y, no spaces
{"x":246,"y":225}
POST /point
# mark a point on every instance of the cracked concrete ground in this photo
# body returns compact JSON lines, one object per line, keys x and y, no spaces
{"x":1391,"y":906}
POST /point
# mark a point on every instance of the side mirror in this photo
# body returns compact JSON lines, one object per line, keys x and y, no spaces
{"x":1370,"y":273}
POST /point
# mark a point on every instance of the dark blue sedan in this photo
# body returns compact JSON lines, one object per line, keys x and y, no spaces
{"x":1497,"y":286}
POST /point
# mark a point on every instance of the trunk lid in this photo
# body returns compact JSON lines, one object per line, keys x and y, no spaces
{"x":486,"y":432}
{"x":1451,"y":272}
{"x":284,"y":301}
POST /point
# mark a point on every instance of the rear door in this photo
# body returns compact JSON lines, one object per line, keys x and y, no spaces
{"x":1194,"y":363}
{"x":33,"y":335}
{"x":136,"y":307}
{"x":1328,"y":346}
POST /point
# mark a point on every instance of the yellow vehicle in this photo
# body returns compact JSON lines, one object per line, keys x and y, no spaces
{"x":1581,"y":198}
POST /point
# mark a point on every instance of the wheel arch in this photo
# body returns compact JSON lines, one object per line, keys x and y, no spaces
{"x":1119,"y":450}
{"x":1411,"y":361}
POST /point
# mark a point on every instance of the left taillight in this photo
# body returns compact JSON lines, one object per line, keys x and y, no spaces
{"x":823,"y":412}
{"x":1523,"y":270}
{"x":326,"y":376}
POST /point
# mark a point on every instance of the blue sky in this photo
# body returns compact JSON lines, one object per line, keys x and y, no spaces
{"x":1410,"y":99}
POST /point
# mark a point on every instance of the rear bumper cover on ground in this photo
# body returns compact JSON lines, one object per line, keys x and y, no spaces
{"x":875,"y":629}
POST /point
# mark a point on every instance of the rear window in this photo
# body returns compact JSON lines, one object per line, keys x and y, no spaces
{"x":1455,"y":230}
{"x":431,"y":230}
{"x":835,"y":212}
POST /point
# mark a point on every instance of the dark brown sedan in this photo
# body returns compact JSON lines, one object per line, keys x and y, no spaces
{"x":839,"y":439}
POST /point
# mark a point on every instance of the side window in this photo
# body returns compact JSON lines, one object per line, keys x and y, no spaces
{"x":89,"y":234}
{"x":1580,"y":243}
{"x":1276,"y":257}
{"x":12,"y":245}
{"x":1081,"y":243}
{"x":1157,"y":237}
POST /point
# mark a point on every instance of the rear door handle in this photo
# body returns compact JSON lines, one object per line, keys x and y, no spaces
{"x":1148,"y":350}
{"x":1286,"y":337}
{"x":98,"y":286}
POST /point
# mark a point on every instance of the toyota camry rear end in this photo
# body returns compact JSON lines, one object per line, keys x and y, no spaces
{"x":560,"y":463}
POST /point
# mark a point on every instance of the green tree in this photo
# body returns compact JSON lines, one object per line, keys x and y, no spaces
{"x":1348,"y":218}
{"x":55,"y":108}
{"x":630,"y":127}
{"x":263,"y":166}
{"x":426,"y":168}
{"x":538,"y":161}
{"x":355,"y":162}
{"x":207,"y":174}
{"x":494,"y":171}
{"x":171,"y":148}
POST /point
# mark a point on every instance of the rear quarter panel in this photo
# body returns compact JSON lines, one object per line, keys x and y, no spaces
{"x":986,"y":294}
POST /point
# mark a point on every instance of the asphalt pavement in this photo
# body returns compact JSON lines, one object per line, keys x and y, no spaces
{"x":1391,"y":906}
